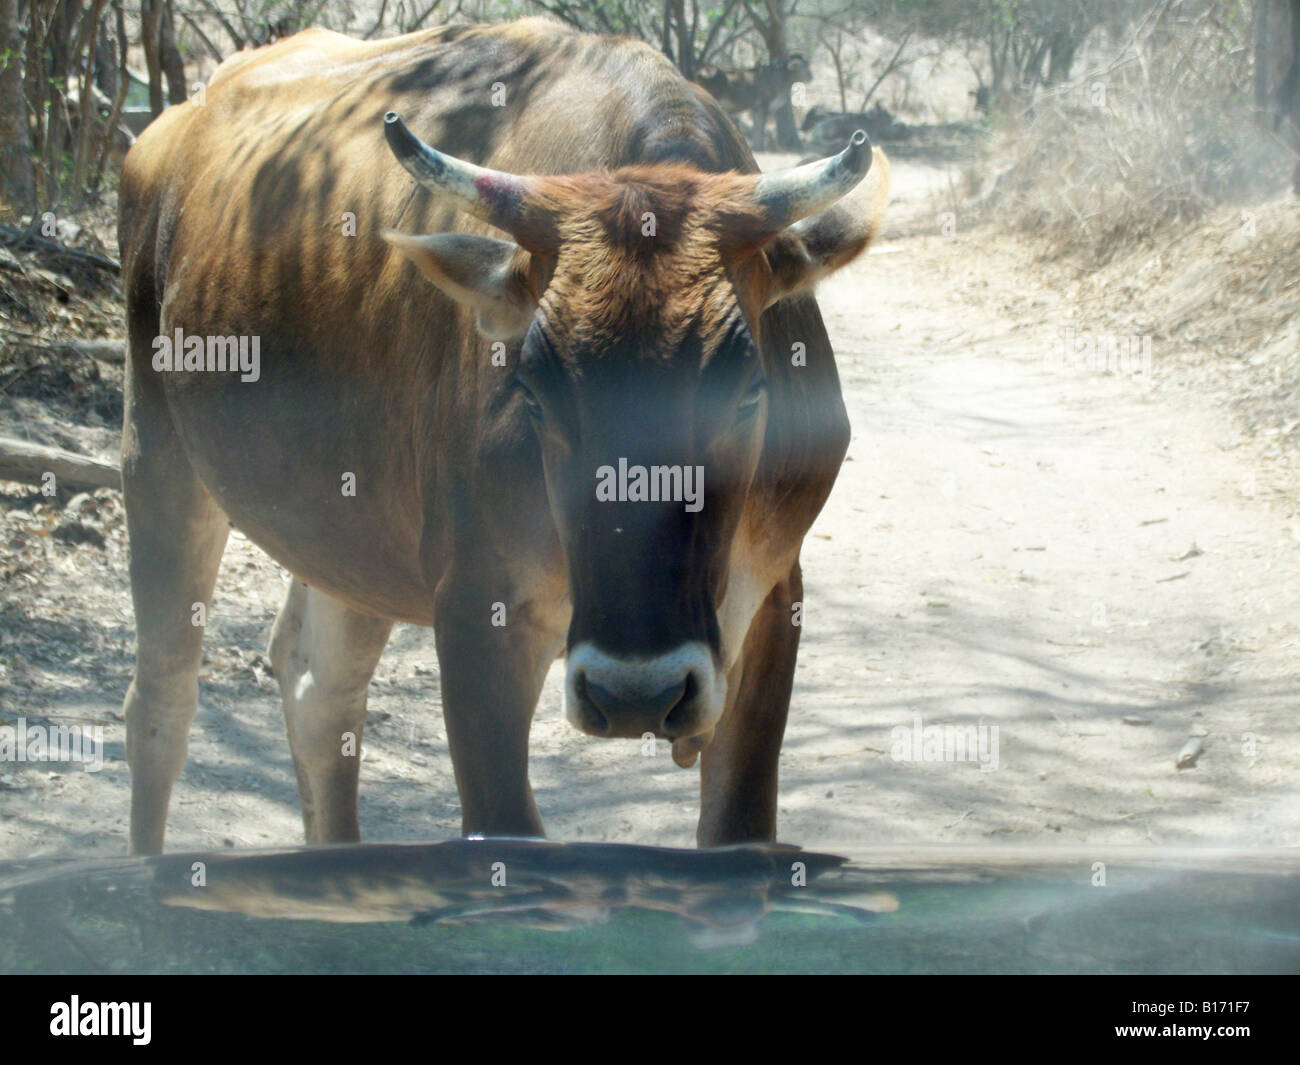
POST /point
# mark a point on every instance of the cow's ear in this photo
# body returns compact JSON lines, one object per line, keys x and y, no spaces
{"x":817,"y":246}
{"x":488,"y":275}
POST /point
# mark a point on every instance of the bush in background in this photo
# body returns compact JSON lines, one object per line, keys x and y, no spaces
{"x":1163,"y":132}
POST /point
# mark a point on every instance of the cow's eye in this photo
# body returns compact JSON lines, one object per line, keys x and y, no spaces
{"x":531,"y":403}
{"x":749,"y":402}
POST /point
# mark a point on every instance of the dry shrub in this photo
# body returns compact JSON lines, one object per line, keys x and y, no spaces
{"x":1225,"y":296}
{"x":1157,"y":137}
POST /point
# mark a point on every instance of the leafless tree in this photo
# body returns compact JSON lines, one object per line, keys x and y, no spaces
{"x":17,"y":174}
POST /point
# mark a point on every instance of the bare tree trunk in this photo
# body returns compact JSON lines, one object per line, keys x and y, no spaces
{"x":837,"y":59}
{"x":685,"y":40}
{"x":89,"y":107}
{"x":1060,"y":58}
{"x":106,"y":60}
{"x":151,"y":12}
{"x":172,"y":64}
{"x":17,"y":174}
{"x":999,"y":43}
{"x":1277,"y":70}
{"x":772,"y":30}
{"x":50,"y":61}
{"x":123,"y":81}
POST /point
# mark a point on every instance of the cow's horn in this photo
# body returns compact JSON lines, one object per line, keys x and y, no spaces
{"x":492,"y":195}
{"x":785,"y":196}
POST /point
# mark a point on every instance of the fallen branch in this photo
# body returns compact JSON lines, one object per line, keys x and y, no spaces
{"x":13,"y":237}
{"x":21,"y":460}
{"x":111,"y":351}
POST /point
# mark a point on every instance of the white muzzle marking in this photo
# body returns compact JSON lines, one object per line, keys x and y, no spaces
{"x":645,"y":679}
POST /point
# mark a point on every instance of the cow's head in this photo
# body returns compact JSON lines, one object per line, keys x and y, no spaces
{"x":638,"y":295}
{"x":795,"y":67}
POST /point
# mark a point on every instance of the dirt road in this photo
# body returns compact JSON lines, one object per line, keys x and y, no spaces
{"x":1096,"y":566}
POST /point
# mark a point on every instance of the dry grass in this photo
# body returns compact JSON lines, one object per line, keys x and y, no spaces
{"x":1150,"y":142}
{"x":1225,"y":295}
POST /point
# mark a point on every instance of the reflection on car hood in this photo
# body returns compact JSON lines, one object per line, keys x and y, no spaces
{"x":484,"y":904}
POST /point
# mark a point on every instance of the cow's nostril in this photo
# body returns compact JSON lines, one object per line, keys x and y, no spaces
{"x":596,"y":721}
{"x":678,"y":717}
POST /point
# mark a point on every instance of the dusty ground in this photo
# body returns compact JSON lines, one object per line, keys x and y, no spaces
{"x":1100,"y":565}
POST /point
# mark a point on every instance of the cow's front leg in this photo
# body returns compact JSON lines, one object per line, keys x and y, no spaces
{"x":738,"y":771}
{"x":493,"y":655}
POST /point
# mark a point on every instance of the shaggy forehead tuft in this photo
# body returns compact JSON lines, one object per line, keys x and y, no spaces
{"x":644,"y":209}
{"x":642,"y":261}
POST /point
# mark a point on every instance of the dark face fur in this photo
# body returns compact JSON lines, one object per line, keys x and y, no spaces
{"x":640,"y":357}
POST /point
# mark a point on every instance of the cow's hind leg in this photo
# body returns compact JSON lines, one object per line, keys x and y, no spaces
{"x":177,"y":534}
{"x":324,"y":654}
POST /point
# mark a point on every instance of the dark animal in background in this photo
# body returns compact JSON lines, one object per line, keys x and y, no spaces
{"x":120,"y":138}
{"x":755,"y":90}
{"x":822,"y":127}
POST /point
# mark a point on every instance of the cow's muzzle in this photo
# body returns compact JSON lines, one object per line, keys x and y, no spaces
{"x":672,"y":696}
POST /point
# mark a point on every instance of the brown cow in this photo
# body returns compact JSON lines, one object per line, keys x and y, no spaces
{"x":824,"y":127}
{"x":640,"y":314}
